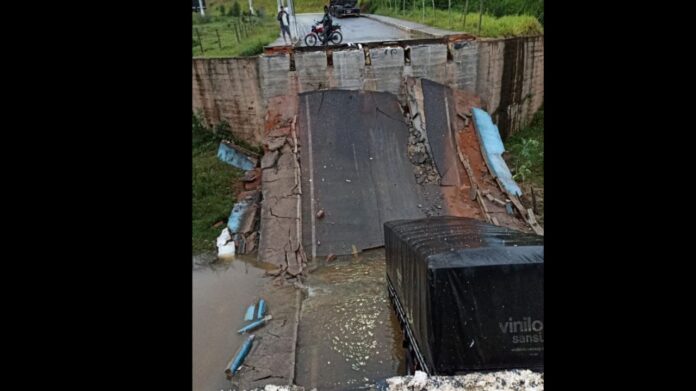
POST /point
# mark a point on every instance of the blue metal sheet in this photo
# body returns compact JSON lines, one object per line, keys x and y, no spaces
{"x":493,"y":148}
{"x":234,"y":158}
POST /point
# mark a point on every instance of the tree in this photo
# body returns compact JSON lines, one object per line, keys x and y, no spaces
{"x":236,"y":10}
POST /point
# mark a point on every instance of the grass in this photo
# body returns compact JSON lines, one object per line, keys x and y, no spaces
{"x":526,"y":151}
{"x":525,"y":157}
{"x":213,"y":186}
{"x":218,"y":37}
{"x":264,"y":30}
{"x":491,"y":26}
{"x":269,"y":6}
{"x":258,"y":34}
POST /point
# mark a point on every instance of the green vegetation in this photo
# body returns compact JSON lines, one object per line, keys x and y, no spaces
{"x":501,"y":18}
{"x":525,"y":157}
{"x":495,"y":8}
{"x":491,"y":26}
{"x":229,"y":36}
{"x":526,"y":148}
{"x":228,"y":30}
{"x":213,"y":186}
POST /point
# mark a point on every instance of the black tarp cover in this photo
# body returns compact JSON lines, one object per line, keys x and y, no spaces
{"x":472,"y":292}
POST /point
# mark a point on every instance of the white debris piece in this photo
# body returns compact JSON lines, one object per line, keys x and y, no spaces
{"x":512,"y":380}
{"x":225,"y":244}
{"x":419,"y":381}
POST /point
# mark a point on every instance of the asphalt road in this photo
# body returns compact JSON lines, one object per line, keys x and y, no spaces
{"x":354,"y":29}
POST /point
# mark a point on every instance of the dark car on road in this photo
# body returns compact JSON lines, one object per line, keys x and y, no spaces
{"x":341,"y":8}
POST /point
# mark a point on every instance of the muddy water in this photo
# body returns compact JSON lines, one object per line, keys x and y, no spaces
{"x":221,"y":293}
{"x":349,"y":336}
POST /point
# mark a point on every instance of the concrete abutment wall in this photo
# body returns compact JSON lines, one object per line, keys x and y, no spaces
{"x":508,"y":74}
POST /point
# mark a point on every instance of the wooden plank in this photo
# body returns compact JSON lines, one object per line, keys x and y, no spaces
{"x":467,"y":166}
{"x":529,"y":218}
{"x":499,"y":202}
{"x":533,"y":222}
{"x":534,"y":203}
{"x":482,"y":203}
{"x":472,"y":192}
{"x":516,"y":201}
{"x":538,"y":229}
{"x":532,"y":218}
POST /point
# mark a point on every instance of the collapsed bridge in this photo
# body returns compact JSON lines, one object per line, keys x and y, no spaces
{"x":358,"y":135}
{"x":341,"y":163}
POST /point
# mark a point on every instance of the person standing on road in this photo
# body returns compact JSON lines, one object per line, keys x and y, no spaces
{"x":284,"y":27}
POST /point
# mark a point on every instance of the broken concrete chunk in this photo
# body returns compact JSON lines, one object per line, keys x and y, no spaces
{"x":419,"y":158}
{"x":251,"y":175}
{"x":269,"y":159}
{"x":320,"y":214}
{"x":251,"y":242}
{"x":280,"y":132}
{"x":252,"y":185}
{"x":275,"y":143}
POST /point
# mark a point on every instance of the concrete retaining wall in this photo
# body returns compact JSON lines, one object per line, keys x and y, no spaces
{"x":511,"y":80}
{"x":508,"y":74}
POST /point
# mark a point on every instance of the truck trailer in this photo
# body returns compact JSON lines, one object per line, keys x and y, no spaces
{"x":469,"y":295}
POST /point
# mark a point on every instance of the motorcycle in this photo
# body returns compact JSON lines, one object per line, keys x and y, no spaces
{"x":314,"y":36}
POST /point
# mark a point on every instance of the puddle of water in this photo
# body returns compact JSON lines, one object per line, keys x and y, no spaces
{"x":349,"y":336}
{"x":221,"y":294}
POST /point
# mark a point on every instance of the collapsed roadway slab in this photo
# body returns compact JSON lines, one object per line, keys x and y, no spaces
{"x":341,"y":163}
{"x":355,"y":170}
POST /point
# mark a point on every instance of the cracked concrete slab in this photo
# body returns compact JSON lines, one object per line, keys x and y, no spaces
{"x":355,"y":168}
{"x":269,"y":159}
{"x":280,"y":241}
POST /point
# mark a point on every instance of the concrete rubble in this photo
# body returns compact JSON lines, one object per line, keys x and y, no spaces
{"x":243,"y":222}
{"x":280,"y":237}
{"x":270,"y":363}
{"x":515,"y":380}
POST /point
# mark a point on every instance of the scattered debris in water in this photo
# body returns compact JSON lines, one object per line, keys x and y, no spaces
{"x":255,"y":325}
{"x":238,"y":359}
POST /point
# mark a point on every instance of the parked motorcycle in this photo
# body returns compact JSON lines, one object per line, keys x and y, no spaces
{"x":315,"y":36}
